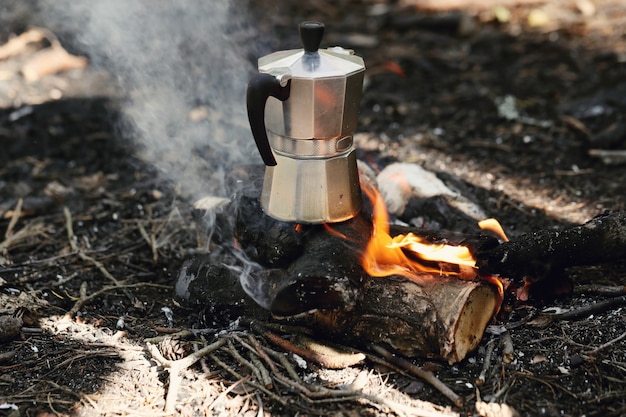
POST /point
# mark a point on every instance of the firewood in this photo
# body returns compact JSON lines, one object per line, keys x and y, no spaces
{"x":540,"y":254}
{"x":313,"y":276}
{"x":326,"y":288}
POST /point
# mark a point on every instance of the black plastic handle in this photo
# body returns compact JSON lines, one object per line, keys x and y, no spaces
{"x":260,"y":88}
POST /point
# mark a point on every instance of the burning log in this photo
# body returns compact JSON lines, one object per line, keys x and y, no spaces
{"x":543,"y":254}
{"x":428,"y":315}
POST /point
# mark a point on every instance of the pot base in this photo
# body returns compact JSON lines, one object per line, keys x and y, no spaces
{"x":312,"y":190}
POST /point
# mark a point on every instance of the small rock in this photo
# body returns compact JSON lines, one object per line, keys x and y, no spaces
{"x":9,"y":328}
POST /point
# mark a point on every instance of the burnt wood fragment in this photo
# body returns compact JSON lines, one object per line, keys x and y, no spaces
{"x":540,"y":255}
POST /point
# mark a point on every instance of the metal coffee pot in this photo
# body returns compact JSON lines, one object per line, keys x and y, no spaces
{"x":303,"y":110}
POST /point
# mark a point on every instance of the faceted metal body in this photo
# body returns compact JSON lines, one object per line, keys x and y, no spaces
{"x":323,"y":190}
{"x":323,"y":103}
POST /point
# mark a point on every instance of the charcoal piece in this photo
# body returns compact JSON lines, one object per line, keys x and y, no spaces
{"x":328,"y":273}
{"x":270,"y":242}
{"x":212,"y":281}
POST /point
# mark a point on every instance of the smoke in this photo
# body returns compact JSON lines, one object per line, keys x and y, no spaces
{"x":184,"y":67}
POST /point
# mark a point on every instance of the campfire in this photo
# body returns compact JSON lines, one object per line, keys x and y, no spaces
{"x":357,"y":281}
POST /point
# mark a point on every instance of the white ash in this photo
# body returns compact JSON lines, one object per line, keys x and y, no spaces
{"x":398,"y":183}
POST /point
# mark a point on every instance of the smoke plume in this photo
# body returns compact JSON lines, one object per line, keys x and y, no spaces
{"x":184,"y":67}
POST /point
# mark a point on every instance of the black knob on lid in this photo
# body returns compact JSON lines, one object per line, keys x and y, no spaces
{"x":311,"y":34}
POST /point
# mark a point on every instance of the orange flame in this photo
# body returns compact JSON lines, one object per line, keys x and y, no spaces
{"x":386,"y":256}
{"x":494,"y":227}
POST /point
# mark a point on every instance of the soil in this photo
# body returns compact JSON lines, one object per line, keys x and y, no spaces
{"x":509,"y":101}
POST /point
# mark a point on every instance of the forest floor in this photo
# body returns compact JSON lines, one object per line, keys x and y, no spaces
{"x":521,"y":101}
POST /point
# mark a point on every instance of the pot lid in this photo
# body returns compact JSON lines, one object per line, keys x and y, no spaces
{"x":311,"y":62}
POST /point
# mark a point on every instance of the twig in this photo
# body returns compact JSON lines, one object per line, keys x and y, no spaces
{"x":86,"y":298}
{"x":14,"y":218}
{"x":176,"y":367}
{"x":325,"y":395}
{"x":606,"y":290}
{"x":420,"y":373}
{"x":508,"y":352}
{"x":224,"y":393}
{"x":237,"y":356}
{"x":285,"y":364}
{"x":266,"y":379}
{"x":579,"y":313}
{"x":80,"y":253}
{"x":259,"y":350}
{"x":261,"y":388}
{"x":19,"y":43}
{"x":30,"y":229}
{"x":334,"y":361}
{"x":487,"y":361}
{"x":606,"y":345}
{"x":150,"y":240}
{"x":182,"y":334}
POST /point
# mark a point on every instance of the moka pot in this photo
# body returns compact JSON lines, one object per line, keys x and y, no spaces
{"x":303,"y":110}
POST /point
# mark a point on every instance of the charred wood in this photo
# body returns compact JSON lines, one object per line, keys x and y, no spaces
{"x":546,"y":253}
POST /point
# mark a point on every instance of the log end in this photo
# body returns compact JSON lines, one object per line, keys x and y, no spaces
{"x":480,"y":305}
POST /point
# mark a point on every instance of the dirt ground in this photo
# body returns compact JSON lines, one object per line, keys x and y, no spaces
{"x":523,"y":102}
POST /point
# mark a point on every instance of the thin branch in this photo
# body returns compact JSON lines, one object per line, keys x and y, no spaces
{"x":84,"y":299}
{"x":81,"y":254}
{"x":420,"y":373}
{"x":176,"y":367}
{"x":606,"y":345}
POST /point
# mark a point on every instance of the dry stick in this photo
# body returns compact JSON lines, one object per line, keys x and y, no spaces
{"x":175,"y":368}
{"x":150,"y":240}
{"x":266,"y":379}
{"x":19,"y":43}
{"x":325,"y":395}
{"x":334,"y":361}
{"x":508,"y":352}
{"x":224,"y":393}
{"x":182,"y":334}
{"x":14,"y":218}
{"x":606,"y":345}
{"x":256,"y":346}
{"x":579,"y":313}
{"x":237,"y":356}
{"x":255,"y":356}
{"x":84,"y":298}
{"x":33,"y":228}
{"x":285,"y":363}
{"x":607,"y":290}
{"x":252,"y":384}
{"x":487,"y":361}
{"x":420,"y":373}
{"x":81,"y":254}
